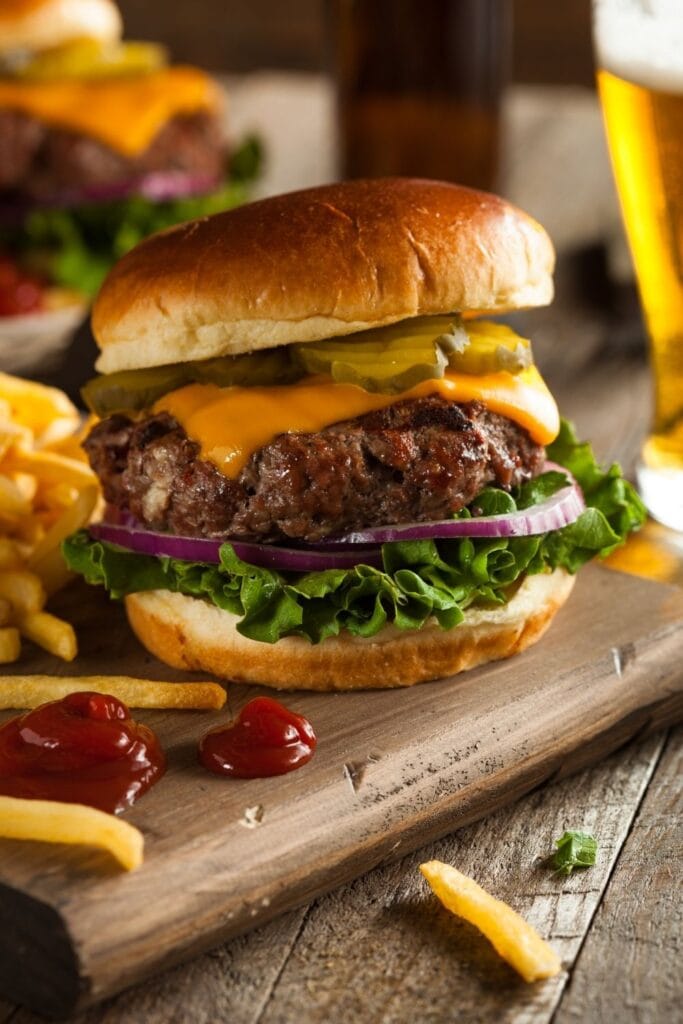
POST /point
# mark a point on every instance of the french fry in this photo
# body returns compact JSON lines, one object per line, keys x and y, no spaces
{"x":23,"y":590}
{"x":51,"y":468}
{"x":55,"y":497}
{"x":50,"y":821}
{"x":25,"y":483}
{"x":29,"y":691}
{"x":12,"y":436}
{"x":60,"y":429}
{"x":45,"y":411}
{"x":29,"y":531}
{"x":510,"y":935}
{"x":9,"y":554}
{"x":53,"y":634}
{"x":13,"y":504}
{"x":47,"y":518}
{"x":72,"y":519}
{"x":53,"y":571}
{"x":5,"y":612}
{"x":71,"y":445}
{"x":10,"y":644}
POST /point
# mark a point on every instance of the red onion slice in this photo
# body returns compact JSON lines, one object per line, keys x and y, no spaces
{"x":203,"y":549}
{"x":561,"y":509}
{"x":157,"y":186}
{"x":361,"y":547}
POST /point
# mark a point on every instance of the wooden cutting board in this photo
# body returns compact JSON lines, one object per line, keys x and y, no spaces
{"x":393,"y":770}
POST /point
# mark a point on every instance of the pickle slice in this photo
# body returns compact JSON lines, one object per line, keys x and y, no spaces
{"x":388,"y":359}
{"x":135,"y":390}
{"x":89,"y":58}
{"x":131,"y":390}
{"x":493,"y":347}
{"x":249,"y":370}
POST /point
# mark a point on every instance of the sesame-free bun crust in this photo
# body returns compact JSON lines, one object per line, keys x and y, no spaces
{"x":319,"y":263}
{"x":189,"y":633}
{"x":40,"y":24}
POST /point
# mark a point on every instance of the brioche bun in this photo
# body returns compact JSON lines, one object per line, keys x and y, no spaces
{"x":319,"y":263}
{"x":189,"y":633}
{"x":42,"y":24}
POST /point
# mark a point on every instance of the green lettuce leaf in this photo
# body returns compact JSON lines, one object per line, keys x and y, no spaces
{"x":613,"y":510}
{"x":419,"y":580}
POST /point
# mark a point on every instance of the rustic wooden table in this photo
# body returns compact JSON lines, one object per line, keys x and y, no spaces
{"x":380,"y":949}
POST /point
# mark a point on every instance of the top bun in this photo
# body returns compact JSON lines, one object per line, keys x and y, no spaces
{"x":316,"y":264}
{"x":41,"y":24}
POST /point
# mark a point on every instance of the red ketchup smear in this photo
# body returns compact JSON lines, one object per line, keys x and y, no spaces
{"x":265,"y":739}
{"x":84,"y":749}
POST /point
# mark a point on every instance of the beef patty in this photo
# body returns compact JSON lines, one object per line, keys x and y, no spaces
{"x":36,"y":159}
{"x":418,"y":460}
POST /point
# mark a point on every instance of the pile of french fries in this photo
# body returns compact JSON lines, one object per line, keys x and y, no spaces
{"x":47,"y":491}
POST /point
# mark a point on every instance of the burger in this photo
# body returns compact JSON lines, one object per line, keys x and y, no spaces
{"x":324,"y":465}
{"x":102,"y":143}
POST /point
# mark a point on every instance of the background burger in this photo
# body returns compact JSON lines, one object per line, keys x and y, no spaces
{"x":320,"y":471}
{"x":102,"y":143}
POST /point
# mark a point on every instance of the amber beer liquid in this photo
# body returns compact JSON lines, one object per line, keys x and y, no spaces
{"x":645,"y":130}
{"x":640,"y":53}
{"x":418,"y":87}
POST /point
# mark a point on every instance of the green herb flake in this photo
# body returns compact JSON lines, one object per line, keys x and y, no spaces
{"x":574,"y":850}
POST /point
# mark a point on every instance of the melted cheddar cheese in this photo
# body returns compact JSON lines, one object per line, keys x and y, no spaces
{"x":230,"y":424}
{"x":125,"y":113}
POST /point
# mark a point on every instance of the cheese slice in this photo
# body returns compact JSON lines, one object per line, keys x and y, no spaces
{"x":125,"y":113}
{"x":230,"y":424}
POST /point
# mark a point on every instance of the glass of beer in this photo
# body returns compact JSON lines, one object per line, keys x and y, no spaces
{"x":639,"y":49}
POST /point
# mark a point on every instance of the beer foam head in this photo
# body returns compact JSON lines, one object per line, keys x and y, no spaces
{"x":641,"y":41}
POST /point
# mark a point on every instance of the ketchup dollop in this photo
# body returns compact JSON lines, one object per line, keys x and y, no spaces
{"x":265,"y":739}
{"x":83,"y":749}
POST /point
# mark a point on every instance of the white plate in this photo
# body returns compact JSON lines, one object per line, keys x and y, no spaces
{"x":35,"y":341}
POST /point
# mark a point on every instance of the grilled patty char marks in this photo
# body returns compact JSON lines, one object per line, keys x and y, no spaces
{"x":417,"y":460}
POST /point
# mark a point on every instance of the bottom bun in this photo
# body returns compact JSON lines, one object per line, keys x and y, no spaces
{"x":189,"y":633}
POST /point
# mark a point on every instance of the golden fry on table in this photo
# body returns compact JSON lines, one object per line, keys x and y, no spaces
{"x":50,"y":821}
{"x":511,"y":936}
{"x":29,"y":691}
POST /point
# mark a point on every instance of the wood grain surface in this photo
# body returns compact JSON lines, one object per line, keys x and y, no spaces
{"x":381,"y":949}
{"x":641,"y":917}
{"x":392,"y":771}
{"x":358,"y":955}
